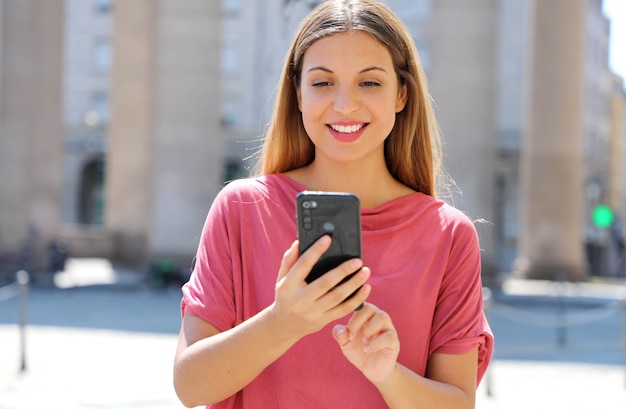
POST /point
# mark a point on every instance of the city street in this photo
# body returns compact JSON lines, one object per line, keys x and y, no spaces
{"x":110,"y":344}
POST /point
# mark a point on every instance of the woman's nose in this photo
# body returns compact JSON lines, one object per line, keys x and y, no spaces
{"x":345,"y":101}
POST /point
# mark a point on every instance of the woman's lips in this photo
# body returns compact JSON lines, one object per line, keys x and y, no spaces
{"x":347,"y":132}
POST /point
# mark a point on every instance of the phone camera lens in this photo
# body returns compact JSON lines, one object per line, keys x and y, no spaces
{"x":306,"y":205}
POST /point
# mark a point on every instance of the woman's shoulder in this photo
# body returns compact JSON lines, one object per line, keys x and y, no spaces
{"x":429,"y":204}
{"x":441,"y":211}
{"x":453,"y":213}
{"x":255,"y":188}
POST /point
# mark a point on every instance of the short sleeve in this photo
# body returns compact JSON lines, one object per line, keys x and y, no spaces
{"x":459,"y":323}
{"x":209,"y":292}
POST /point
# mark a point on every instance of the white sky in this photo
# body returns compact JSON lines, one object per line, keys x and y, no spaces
{"x":615,"y":10}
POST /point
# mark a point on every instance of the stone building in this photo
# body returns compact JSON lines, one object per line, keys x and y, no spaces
{"x":159,"y":158}
{"x":120,"y":120}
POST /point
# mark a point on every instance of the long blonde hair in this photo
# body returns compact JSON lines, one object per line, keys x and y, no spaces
{"x":413,"y":148}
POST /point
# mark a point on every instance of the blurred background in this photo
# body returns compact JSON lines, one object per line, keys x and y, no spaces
{"x":121,"y":119}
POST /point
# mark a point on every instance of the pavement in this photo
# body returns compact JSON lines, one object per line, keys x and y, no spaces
{"x":100,"y":337}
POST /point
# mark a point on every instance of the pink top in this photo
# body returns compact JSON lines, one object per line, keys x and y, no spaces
{"x":425,"y":262}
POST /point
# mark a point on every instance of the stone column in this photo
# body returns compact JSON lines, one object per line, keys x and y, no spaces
{"x":462,"y":81}
{"x":551,"y":236}
{"x":165,"y":144}
{"x":31,"y":74}
{"x":188,"y":141}
{"x":131,"y":133}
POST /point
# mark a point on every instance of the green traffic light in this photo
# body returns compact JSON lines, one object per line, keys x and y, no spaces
{"x":602,"y":216}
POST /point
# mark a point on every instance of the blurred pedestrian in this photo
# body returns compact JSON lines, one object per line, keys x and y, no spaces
{"x":352,"y":114}
{"x":58,"y":251}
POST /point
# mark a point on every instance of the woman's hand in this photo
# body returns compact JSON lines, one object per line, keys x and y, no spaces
{"x":306,"y":308}
{"x":370,"y":342}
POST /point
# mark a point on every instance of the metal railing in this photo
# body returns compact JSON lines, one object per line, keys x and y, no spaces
{"x":19,"y":289}
{"x":560,"y":321}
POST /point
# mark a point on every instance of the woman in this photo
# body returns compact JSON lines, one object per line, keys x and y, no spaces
{"x":353,"y":114}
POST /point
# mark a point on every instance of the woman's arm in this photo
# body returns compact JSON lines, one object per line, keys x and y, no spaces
{"x":211,"y":365}
{"x":370,"y":343}
{"x":450,"y":382}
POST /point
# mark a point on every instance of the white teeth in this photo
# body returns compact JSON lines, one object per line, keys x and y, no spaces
{"x":347,"y":129}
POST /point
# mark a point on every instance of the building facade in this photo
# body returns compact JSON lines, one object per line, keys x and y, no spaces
{"x":110,"y":139}
{"x":150,"y":106}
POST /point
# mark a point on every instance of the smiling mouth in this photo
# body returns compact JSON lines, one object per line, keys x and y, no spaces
{"x":347,"y":128}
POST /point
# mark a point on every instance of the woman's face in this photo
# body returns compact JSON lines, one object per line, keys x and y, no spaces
{"x":349,"y":96}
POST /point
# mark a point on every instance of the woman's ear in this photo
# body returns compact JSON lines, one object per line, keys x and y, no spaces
{"x":402,"y":97}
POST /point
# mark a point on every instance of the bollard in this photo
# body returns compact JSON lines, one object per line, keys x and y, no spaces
{"x":561,"y":311}
{"x":623,"y":314}
{"x":487,"y":301}
{"x":22,"y":282}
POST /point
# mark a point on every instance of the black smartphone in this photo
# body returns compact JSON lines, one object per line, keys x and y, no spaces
{"x":333,"y":213}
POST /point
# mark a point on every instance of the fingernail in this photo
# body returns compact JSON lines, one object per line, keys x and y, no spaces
{"x":325,"y":239}
{"x":355,"y":263}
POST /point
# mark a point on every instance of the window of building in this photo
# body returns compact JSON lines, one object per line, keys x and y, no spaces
{"x":231,"y":60}
{"x":234,"y":169}
{"x":231,"y":8}
{"x":101,"y":56}
{"x":98,"y":114}
{"x":103,"y":6}
{"x":91,"y":192}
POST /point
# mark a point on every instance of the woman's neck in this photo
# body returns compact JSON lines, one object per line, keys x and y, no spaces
{"x":373,"y":184}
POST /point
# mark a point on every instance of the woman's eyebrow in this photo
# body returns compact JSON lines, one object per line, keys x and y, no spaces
{"x":373,"y":68}
{"x":320,"y":69}
{"x":364,"y":70}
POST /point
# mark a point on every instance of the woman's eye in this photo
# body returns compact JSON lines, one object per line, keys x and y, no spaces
{"x":370,"y":84}
{"x":321,"y":84}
